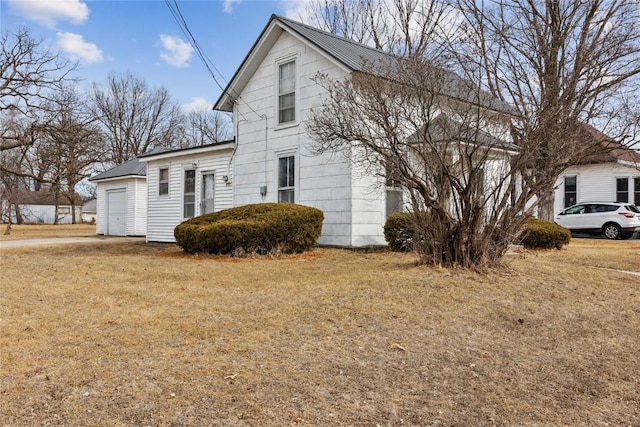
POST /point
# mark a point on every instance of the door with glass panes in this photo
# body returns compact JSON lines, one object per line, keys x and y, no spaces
{"x":208,"y":192}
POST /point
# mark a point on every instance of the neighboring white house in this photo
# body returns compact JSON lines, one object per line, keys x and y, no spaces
{"x":185,"y":183}
{"x":88,"y":213}
{"x":121,"y":204}
{"x":39,"y":207}
{"x":271,"y":95}
{"x":611,"y":176}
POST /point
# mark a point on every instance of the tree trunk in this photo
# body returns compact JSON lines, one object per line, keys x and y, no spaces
{"x":546,"y":204}
{"x":19,"y":219}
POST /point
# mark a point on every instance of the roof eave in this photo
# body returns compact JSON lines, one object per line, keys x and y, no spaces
{"x":227,"y":145}
{"x":113,"y":178}
{"x":241,"y":77}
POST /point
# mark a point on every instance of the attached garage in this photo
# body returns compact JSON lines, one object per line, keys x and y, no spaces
{"x":121,"y":203}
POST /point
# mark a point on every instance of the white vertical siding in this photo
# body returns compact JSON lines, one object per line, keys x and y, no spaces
{"x":45,"y":214}
{"x":38,"y":214}
{"x":323,"y":182}
{"x":166,"y":211}
{"x":596,"y":182}
{"x":368,"y":209}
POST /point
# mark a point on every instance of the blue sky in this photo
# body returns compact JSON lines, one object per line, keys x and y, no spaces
{"x":143,"y":38}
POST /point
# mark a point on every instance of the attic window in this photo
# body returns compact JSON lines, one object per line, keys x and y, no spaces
{"x":287,"y":92}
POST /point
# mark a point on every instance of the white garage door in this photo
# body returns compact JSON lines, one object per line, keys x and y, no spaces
{"x":116,"y":213}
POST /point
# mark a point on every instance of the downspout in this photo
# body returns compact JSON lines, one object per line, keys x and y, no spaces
{"x":236,"y":137}
{"x":263,"y":194}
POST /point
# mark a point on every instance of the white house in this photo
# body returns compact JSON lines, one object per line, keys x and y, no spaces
{"x":270,"y":158}
{"x":613,"y":175}
{"x":271,"y":95}
{"x":121,"y":204}
{"x":185,"y":183}
{"x":88,"y":213}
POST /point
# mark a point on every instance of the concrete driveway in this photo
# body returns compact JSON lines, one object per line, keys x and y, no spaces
{"x":6,"y":244}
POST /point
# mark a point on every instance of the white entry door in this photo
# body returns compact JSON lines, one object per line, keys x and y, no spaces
{"x":208,"y":193}
{"x":116,"y":213}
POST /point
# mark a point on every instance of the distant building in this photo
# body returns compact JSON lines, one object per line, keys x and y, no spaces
{"x":39,"y":207}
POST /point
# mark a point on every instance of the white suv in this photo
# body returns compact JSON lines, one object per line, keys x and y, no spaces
{"x":614,"y":220}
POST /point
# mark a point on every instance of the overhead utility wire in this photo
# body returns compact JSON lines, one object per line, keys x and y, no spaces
{"x":184,"y":27}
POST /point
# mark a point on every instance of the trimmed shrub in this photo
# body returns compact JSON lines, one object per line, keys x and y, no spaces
{"x":399,"y":230}
{"x":262,"y":228}
{"x":540,"y":234}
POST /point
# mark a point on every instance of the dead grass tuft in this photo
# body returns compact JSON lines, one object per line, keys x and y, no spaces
{"x":136,"y":334}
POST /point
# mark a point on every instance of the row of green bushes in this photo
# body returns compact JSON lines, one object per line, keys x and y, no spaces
{"x":268,"y":228}
{"x":538,"y":234}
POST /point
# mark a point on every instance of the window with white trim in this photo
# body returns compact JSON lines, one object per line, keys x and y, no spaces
{"x":286,"y":179}
{"x":636,"y":191}
{"x":394,"y":194}
{"x":189,"y":195}
{"x":287,"y":92}
{"x":570,"y":191}
{"x":163,"y":181}
{"x":622,"y":190}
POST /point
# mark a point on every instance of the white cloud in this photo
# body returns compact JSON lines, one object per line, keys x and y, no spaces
{"x":78,"y":48}
{"x":297,"y":10}
{"x":49,"y":12}
{"x":197,"y":104}
{"x":177,"y":52}
{"x":227,"y":6}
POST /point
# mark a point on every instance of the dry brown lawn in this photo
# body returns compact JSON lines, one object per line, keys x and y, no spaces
{"x":141,"y":335}
{"x":38,"y":231}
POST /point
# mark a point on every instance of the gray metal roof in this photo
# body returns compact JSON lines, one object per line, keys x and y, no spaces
{"x":359,"y":57}
{"x":362,"y":58}
{"x":164,"y":150}
{"x":443,"y":128}
{"x":131,"y":167}
{"x":89,"y":206}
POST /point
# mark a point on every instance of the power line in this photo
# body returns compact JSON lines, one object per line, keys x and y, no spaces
{"x":182,"y":23}
{"x":209,"y":65}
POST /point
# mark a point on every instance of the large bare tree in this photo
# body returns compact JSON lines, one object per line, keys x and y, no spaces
{"x":205,"y":126}
{"x":401,"y":27}
{"x":62,"y":144}
{"x":29,"y":74}
{"x":561,"y":63}
{"x":440,"y":140}
{"x":135,"y":118}
{"x":74,"y":143}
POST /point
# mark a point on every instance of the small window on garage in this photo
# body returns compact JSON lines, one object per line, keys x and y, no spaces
{"x":163,"y":185}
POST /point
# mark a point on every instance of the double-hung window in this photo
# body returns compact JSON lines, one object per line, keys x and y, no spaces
{"x":636,"y":191}
{"x":622,"y":190}
{"x":286,"y":179}
{"x":393,"y":193}
{"x":163,"y":182}
{"x":287,"y":92}
{"x":189,"y":194}
{"x":570,"y":191}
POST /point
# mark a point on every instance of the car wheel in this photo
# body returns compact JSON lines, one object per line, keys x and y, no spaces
{"x":612,"y":231}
